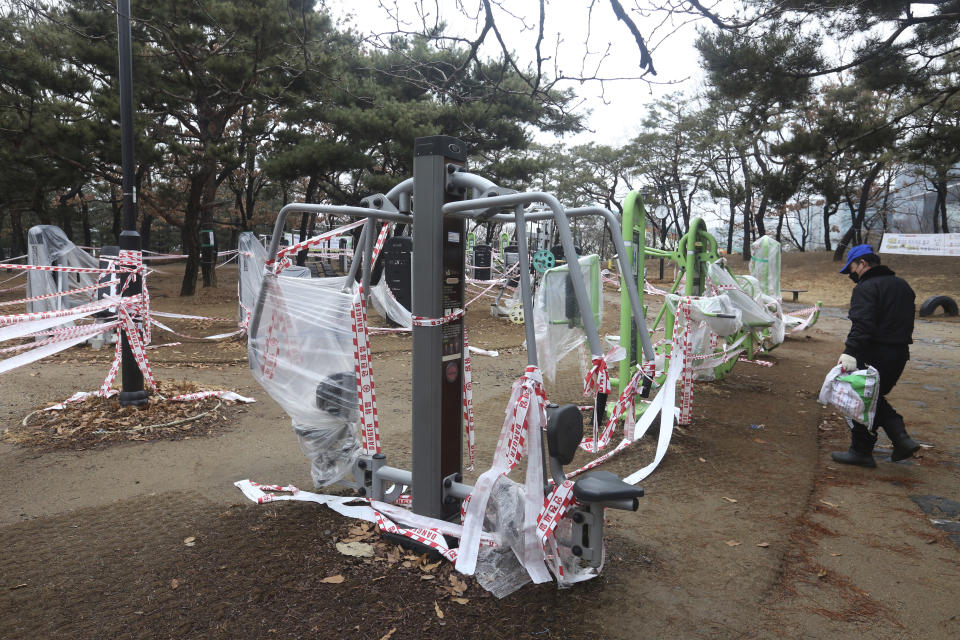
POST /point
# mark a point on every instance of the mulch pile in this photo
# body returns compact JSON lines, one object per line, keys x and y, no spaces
{"x":97,"y":421}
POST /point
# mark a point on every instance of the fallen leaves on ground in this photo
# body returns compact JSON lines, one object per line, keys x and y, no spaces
{"x":732,"y":543}
{"x":437,"y":608}
{"x":337,"y":579}
{"x":96,"y":421}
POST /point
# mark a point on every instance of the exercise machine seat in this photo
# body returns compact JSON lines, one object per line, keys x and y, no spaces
{"x":603,"y":486}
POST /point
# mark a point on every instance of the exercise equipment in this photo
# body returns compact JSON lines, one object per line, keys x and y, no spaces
{"x":285,"y":344}
{"x":543,"y":260}
{"x":738,"y":314}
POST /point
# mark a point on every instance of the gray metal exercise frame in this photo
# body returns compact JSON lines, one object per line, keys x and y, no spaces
{"x":372,"y":476}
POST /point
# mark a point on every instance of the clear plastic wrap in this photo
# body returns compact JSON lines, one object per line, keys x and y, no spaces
{"x":718,"y":312}
{"x":251,"y":260}
{"x":557,"y":322}
{"x":498,"y":569}
{"x":711,"y":315}
{"x":778,"y":329}
{"x":388,"y":306}
{"x":750,"y":285}
{"x":765,"y":265}
{"x":753,"y":314}
{"x":301,"y":351}
{"x":48,"y":245}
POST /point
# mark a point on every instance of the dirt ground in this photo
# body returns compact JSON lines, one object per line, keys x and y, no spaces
{"x":747,"y":530}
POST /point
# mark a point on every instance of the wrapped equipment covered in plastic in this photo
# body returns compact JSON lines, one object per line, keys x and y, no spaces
{"x":753,"y":314}
{"x":557,"y":321}
{"x":49,"y":246}
{"x":301,"y":351}
{"x":765,"y":265}
{"x":251,"y":260}
{"x":388,"y":306}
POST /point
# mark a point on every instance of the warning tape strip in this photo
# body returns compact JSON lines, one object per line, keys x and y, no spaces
{"x":57,"y":294}
{"x":282,"y":262}
{"x":423,"y":321}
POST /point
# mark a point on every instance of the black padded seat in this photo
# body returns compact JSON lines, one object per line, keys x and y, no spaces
{"x":603,"y":486}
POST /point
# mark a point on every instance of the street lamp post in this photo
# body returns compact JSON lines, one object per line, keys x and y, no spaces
{"x":132,"y":392}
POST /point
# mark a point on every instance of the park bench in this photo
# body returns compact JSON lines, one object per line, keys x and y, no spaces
{"x":796,"y":293}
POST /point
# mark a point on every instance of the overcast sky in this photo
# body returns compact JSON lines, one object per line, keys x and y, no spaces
{"x":617,"y":106}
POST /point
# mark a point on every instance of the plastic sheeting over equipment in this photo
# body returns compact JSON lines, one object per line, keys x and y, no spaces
{"x":49,"y":246}
{"x":765,"y":265}
{"x":387,"y":305}
{"x":557,"y":323}
{"x":252,"y":259}
{"x":301,"y":351}
{"x":758,"y":311}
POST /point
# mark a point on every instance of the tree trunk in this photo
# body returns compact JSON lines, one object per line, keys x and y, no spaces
{"x":940,"y":206}
{"x":19,"y":240}
{"x":117,"y":208}
{"x":304,"y":230}
{"x":746,"y":234}
{"x":307,"y":222}
{"x":40,"y":206}
{"x":146,"y":226}
{"x":85,"y":221}
{"x":944,"y":227}
{"x":856,"y":224}
{"x":826,"y":224}
{"x":747,"y":204}
{"x":190,"y":232}
{"x":65,"y":216}
{"x":761,"y":212}
{"x":208,"y":201}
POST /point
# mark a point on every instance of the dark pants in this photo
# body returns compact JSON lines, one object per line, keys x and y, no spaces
{"x":889,"y":361}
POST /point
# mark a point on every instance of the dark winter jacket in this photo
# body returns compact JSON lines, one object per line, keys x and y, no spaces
{"x":881,"y":312}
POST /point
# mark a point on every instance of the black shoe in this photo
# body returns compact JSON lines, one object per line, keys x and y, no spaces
{"x":854,"y":457}
{"x":904,"y":448}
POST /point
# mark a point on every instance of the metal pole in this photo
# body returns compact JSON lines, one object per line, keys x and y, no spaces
{"x":438,"y":271}
{"x":526,"y":291}
{"x":132,"y":392}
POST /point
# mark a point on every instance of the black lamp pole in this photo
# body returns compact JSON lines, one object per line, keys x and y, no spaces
{"x":132,"y":392}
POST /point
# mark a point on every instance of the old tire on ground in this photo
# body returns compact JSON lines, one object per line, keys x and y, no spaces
{"x":932,"y":303}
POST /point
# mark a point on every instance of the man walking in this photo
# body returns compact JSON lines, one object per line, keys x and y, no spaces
{"x":881,"y":316}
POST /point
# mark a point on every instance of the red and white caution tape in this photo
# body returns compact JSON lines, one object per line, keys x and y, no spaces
{"x":378,"y":246}
{"x":229,"y":396}
{"x":468,"y":418}
{"x":554,"y":508}
{"x":597,"y":381}
{"x":521,"y":432}
{"x":423,"y":321}
{"x":57,"y":294}
{"x":762,"y":363}
{"x":366,"y":393}
{"x":44,"y":267}
{"x":427,"y":531}
{"x":281,"y":262}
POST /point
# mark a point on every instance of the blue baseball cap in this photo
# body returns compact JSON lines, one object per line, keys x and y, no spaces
{"x":857,"y":252}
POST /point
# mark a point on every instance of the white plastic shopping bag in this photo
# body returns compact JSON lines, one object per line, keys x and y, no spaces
{"x":853,"y":394}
